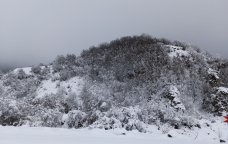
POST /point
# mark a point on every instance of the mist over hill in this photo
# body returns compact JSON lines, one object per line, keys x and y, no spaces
{"x":128,"y":83}
{"x":6,"y":68}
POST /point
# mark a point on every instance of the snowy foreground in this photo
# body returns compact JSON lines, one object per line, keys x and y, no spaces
{"x":27,"y":135}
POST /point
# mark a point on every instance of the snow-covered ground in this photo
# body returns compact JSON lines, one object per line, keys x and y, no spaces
{"x":73,"y":85}
{"x":28,"y":135}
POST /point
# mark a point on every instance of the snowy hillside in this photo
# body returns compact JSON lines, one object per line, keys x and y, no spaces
{"x":133,"y":84}
{"x":47,"y":87}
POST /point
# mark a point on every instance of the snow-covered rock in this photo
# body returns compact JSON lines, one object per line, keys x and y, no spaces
{"x":27,"y":70}
{"x":223,"y":90}
{"x":213,"y":73}
{"x":176,"y":51}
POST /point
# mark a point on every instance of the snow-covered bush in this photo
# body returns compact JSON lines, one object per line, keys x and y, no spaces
{"x":173,"y":95}
{"x":12,"y":112}
{"x":21,"y":74}
{"x":51,"y":118}
{"x":74,"y":119}
{"x":127,"y":118}
{"x":36,"y":69}
{"x":72,"y":102}
{"x":218,"y":102}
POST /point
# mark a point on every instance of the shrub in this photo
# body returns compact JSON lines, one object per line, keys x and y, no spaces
{"x":36,"y":69}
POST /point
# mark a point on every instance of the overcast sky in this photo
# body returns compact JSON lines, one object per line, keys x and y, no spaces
{"x":34,"y":31}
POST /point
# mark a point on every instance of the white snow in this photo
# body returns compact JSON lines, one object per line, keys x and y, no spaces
{"x":48,"y":87}
{"x":13,"y":104}
{"x":65,"y":117}
{"x":27,"y":70}
{"x":223,"y":90}
{"x":176,"y":51}
{"x":213,"y":72}
{"x":174,"y":91}
{"x":74,"y":85}
{"x":104,"y":104}
{"x":28,"y":135}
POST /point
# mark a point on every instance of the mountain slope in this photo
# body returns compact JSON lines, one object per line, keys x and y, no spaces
{"x":128,"y":83}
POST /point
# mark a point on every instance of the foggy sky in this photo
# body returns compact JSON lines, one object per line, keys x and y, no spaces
{"x":34,"y":31}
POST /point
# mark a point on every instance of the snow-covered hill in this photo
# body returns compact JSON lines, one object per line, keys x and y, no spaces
{"x":133,"y":83}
